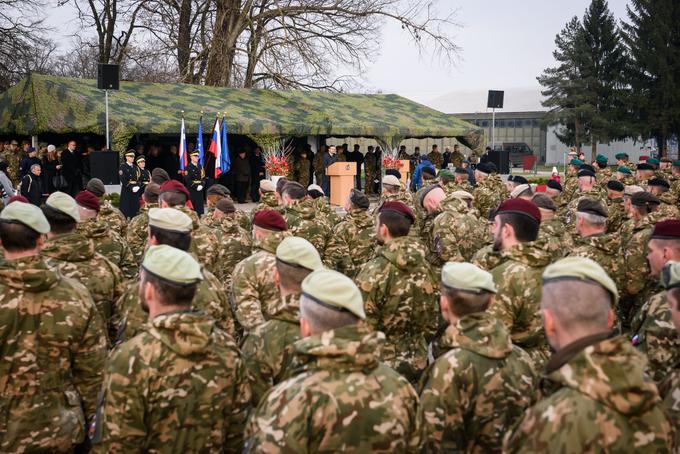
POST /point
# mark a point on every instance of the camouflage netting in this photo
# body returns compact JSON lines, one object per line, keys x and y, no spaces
{"x":48,"y":104}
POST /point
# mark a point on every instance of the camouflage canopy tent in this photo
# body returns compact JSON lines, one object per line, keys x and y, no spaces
{"x":43,"y":104}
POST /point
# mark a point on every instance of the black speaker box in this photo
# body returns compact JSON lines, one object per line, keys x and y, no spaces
{"x":107,"y":76}
{"x":501,"y":159}
{"x":104,"y":165}
{"x":495,"y":100}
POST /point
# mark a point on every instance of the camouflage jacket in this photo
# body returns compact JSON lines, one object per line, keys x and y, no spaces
{"x":113,"y":217}
{"x":111,"y":245}
{"x":603,"y":176}
{"x":179,"y":386}
{"x":669,"y":390}
{"x":341,"y":399}
{"x":435,"y":158}
{"x":370,"y":166}
{"x":487,"y":258}
{"x":655,"y":335}
{"x":203,"y":241}
{"x":73,"y":255}
{"x":603,"y":403}
{"x":233,"y":245}
{"x":456,"y":233}
{"x":241,"y":217}
{"x":254,"y":291}
{"x":497,"y":182}
{"x":268,"y":349}
{"x":52,"y":354}
{"x":669,"y":207}
{"x":605,"y":249}
{"x":352,"y":242}
{"x":130,"y":319}
{"x":400,"y":297}
{"x":617,"y":214}
{"x":325,"y":210}
{"x":569,"y":190}
{"x":474,"y":392}
{"x":301,"y":170}
{"x":554,"y":238}
{"x":268,"y":201}
{"x":486,"y":197}
{"x":450,"y":188}
{"x":303,"y":221}
{"x":517,"y":303}
{"x":569,"y":212}
{"x":138,"y":232}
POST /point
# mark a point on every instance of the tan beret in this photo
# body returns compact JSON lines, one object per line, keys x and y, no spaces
{"x":172,"y":264}
{"x":462,"y":195}
{"x":391,"y":180}
{"x":580,"y":269}
{"x":267,"y":186}
{"x":467,"y":277}
{"x":64,"y":203}
{"x":170,"y":219}
{"x":297,"y":251}
{"x":335,"y":291}
{"x":28,"y":214}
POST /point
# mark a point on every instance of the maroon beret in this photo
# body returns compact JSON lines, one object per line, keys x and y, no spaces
{"x":399,"y":208}
{"x":17,"y":198}
{"x":88,"y":200}
{"x":270,"y":220}
{"x":174,"y":186}
{"x":520,"y":206}
{"x":667,"y":230}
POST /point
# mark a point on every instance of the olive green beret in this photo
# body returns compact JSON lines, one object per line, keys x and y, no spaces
{"x":64,"y":203}
{"x":602,"y":159}
{"x":676,"y":163}
{"x":625,"y":170}
{"x":335,"y":291}
{"x":446,"y":174}
{"x":576,"y":162}
{"x":580,"y":269}
{"x":28,"y":214}
{"x":172,"y":264}
{"x":670,"y":275}
{"x":297,"y":251}
{"x":467,"y":277}
{"x":170,"y":219}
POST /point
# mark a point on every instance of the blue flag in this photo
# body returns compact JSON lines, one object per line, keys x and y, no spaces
{"x":199,"y":141}
{"x":225,"y":162}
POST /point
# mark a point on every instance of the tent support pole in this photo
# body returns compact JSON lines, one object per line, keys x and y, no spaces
{"x":106,"y":97}
{"x":493,"y":128}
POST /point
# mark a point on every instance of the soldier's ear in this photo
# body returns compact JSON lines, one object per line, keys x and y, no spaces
{"x":276,"y":277}
{"x":305,"y":329}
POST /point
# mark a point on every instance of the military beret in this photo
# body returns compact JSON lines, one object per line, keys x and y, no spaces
{"x":315,"y":187}
{"x":225,"y":205}
{"x":676,"y":163}
{"x":159,"y":176}
{"x":464,"y":195}
{"x":170,"y":219}
{"x":615,"y":185}
{"x":592,"y":206}
{"x":659,"y":182}
{"x":484,"y":168}
{"x":140,"y":158}
{"x":576,"y":162}
{"x":461,"y":171}
{"x":399,"y":208}
{"x":446,"y":175}
{"x":267,"y":186}
{"x":587,"y":167}
{"x":359,"y":199}
{"x":335,"y":291}
{"x":393,"y":172}
{"x":631,"y":189}
{"x":601,"y":159}
{"x":670,"y":275}
{"x":194,"y":153}
{"x":174,"y":186}
{"x":586,"y":173}
{"x":666,"y":230}
{"x":519,"y":189}
{"x":63,"y":203}
{"x":96,"y":187}
{"x":297,"y":251}
{"x":624,"y":169}
{"x":519,"y":179}
{"x":543,"y":201}
{"x":580,"y":269}
{"x":391,"y":180}
{"x":270,"y":220}
{"x":666,"y":159}
{"x":653,"y":161}
{"x":27,"y":214}
{"x":554,"y":184}
{"x":522,"y":207}
{"x":645,"y":166}
{"x":467,"y":277}
{"x":425,"y":192}
{"x":644,"y":198}
{"x":621,"y":156}
{"x":429,"y":170}
{"x":511,"y":177}
{"x":172,"y":264}
{"x":88,"y":200}
{"x":17,"y":198}
{"x":218,"y":189}
{"x":130,"y":154}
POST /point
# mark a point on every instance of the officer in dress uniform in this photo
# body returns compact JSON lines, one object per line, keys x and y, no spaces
{"x":129,"y":174}
{"x":194,"y":180}
{"x":144,"y":174}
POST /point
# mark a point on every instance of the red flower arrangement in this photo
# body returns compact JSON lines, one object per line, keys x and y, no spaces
{"x":391,"y":163}
{"x":276,"y":165}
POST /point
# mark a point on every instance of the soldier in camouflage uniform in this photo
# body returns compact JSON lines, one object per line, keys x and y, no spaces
{"x":571,"y":181}
{"x":457,"y":157}
{"x":674,"y":178}
{"x":600,"y":399}
{"x":400,"y":291}
{"x":138,"y":230}
{"x":668,"y":209}
{"x":73,"y":255}
{"x":53,"y":344}
{"x":625,"y":176}
{"x":552,"y":235}
{"x":301,"y":170}
{"x":342,"y":399}
{"x":214,"y":194}
{"x":603,"y":171}
{"x":617,"y":211}
{"x":254,"y":291}
{"x":323,"y":206}
{"x":652,"y":327}
{"x":669,"y":389}
{"x":107,"y":212}
{"x":317,"y":162}
{"x":435,"y":157}
{"x":268,"y":200}
{"x":171,"y":227}
{"x":622,"y":161}
{"x":643,"y":173}
{"x":587,"y":188}
{"x":301,"y":217}
{"x":457,"y":417}
{"x":352,"y":242}
{"x":515,"y":229}
{"x":13,"y":158}
{"x":106,"y":242}
{"x":370,"y":171}
{"x":487,"y":195}
{"x":267,"y":350}
{"x":180,"y":385}
{"x":232,"y":241}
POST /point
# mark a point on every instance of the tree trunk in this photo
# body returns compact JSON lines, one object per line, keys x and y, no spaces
{"x":183,"y":40}
{"x":577,"y":136}
{"x":228,"y":27}
{"x":593,"y":148}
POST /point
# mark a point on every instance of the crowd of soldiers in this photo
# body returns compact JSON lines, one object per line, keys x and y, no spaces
{"x":481,"y":317}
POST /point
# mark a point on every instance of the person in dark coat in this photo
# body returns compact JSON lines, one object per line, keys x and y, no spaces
{"x":144,"y":174}
{"x":28,"y":161}
{"x":194,"y":180}
{"x":31,"y":186}
{"x":50,"y":168}
{"x":241,"y":168}
{"x":171,"y":163}
{"x":71,"y":169}
{"x":257,"y":173}
{"x":329,"y":158}
{"x":128,"y":173}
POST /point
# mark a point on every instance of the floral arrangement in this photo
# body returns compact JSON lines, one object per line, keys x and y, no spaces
{"x":276,"y":158}
{"x":390,"y":162}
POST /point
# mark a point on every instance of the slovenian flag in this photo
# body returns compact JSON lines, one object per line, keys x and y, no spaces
{"x":183,"y":148}
{"x":225,"y":160}
{"x":199,"y":141}
{"x":216,"y":146}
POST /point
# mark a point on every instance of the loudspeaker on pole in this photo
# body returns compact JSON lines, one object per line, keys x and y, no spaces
{"x":108,"y":76}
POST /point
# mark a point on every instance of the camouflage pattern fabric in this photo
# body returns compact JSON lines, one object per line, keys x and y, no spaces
{"x":233,"y":245}
{"x":569,"y":189}
{"x":110,"y":244}
{"x":518,"y":279}
{"x":668,"y":208}
{"x":456,"y":158}
{"x":342,"y":399}
{"x":268,"y":349}
{"x":303,"y":222}
{"x":113,"y":217}
{"x":475,"y":392}
{"x":301,"y":170}
{"x":456,"y":234}
{"x":452,"y":186}
{"x":487,"y":258}
{"x":203,"y":241}
{"x":352,"y":242}
{"x":554,"y":238}
{"x":370,"y":172}
{"x":325,"y":211}
{"x":605,"y":249}
{"x":569,"y":212}
{"x":268,"y":201}
{"x":617,"y":214}
{"x":602,"y":403}
{"x":669,"y":390}
{"x":138,"y":233}
{"x":319,"y":171}
{"x":496,"y":181}
{"x":53,"y":345}
{"x":603,"y":176}
{"x":654,"y":334}
{"x":400,"y":294}
{"x":486,"y":197}
{"x":179,"y":386}
{"x":13,"y":159}
{"x":254,"y":291}
{"x":435,"y":158}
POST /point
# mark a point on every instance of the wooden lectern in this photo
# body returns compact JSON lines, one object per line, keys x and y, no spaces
{"x":404,"y":170}
{"x":342,"y":181}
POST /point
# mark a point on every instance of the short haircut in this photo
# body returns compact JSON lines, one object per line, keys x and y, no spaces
{"x":593,"y":220}
{"x":464,"y":303}
{"x":667,"y":242}
{"x":35,"y":165}
{"x":170,"y":293}
{"x":280,"y":184}
{"x":59,"y":222}
{"x":322,"y":318}
{"x":602,"y":165}
{"x":17,"y":237}
{"x":315,"y":193}
{"x":150,"y":197}
{"x":178,"y":240}
{"x":526,"y":228}
{"x":397,"y":224}
{"x":294,"y":190}
{"x":291,"y":276}
{"x":173,"y":199}
{"x":578,"y":304}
